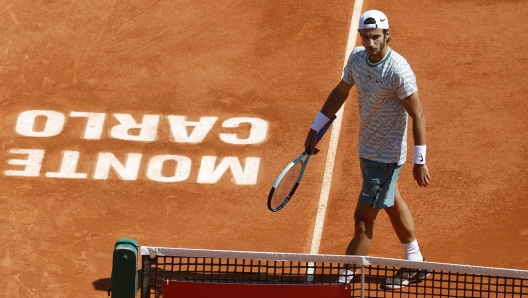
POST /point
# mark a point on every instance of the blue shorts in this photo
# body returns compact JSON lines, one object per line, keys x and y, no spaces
{"x":378,"y":183}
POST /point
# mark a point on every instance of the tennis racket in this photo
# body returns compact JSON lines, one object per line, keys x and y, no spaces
{"x":286,"y":184}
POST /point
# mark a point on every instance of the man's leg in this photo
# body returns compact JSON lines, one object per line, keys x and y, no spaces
{"x":403,"y":224}
{"x":401,"y":218}
{"x":364,"y":218}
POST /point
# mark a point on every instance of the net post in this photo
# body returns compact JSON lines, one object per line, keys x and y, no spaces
{"x":124,"y":280}
{"x":145,"y":275}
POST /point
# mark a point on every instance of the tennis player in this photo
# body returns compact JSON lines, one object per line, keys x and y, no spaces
{"x":387,"y":95}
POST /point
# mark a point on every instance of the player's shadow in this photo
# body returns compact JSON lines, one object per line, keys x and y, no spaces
{"x":370,"y":279}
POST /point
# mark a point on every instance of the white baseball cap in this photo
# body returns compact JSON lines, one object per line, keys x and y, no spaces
{"x":373,"y":19}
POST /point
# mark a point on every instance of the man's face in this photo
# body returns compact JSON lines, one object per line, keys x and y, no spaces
{"x":373,"y":40}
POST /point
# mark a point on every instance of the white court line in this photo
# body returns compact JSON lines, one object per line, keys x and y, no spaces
{"x":334,"y":138}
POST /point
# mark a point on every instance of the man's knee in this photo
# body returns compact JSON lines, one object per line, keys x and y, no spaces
{"x":364,"y":217}
{"x":364,"y":223}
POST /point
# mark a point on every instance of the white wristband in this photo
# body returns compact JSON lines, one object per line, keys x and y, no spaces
{"x":419,"y":154}
{"x":319,"y":122}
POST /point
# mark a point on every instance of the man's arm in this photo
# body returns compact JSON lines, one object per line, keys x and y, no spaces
{"x":336,"y":99}
{"x":414,"y":109}
{"x":333,"y":103}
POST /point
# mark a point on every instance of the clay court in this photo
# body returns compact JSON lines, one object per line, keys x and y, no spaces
{"x":168,"y":121}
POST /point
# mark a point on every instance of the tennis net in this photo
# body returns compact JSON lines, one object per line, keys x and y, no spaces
{"x":372,"y":277}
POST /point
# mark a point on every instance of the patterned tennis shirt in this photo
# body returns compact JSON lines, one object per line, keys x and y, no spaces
{"x":381,"y":88}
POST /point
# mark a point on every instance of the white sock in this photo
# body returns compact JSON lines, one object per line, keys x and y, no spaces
{"x":412,"y":251}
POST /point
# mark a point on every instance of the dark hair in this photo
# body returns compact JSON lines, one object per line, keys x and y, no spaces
{"x":385,"y":31}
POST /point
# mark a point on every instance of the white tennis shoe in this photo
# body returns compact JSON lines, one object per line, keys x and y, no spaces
{"x":406,"y":276}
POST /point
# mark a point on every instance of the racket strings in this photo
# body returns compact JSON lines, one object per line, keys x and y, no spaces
{"x":286,"y":185}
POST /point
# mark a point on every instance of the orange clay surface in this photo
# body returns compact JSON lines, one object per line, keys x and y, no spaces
{"x":271,"y":60}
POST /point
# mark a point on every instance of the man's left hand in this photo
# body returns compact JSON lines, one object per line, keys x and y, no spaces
{"x":421,"y":175}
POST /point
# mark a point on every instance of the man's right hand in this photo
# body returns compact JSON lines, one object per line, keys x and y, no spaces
{"x":311,"y":141}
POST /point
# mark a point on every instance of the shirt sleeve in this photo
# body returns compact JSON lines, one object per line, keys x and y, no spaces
{"x":405,"y":81}
{"x":348,"y":76}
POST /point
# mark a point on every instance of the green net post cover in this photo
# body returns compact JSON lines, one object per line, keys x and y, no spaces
{"x":125,"y":269}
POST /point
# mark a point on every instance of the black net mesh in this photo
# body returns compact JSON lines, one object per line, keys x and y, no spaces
{"x":367,"y":281}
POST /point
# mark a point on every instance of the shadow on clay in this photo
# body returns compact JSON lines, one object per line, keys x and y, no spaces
{"x":105,"y":284}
